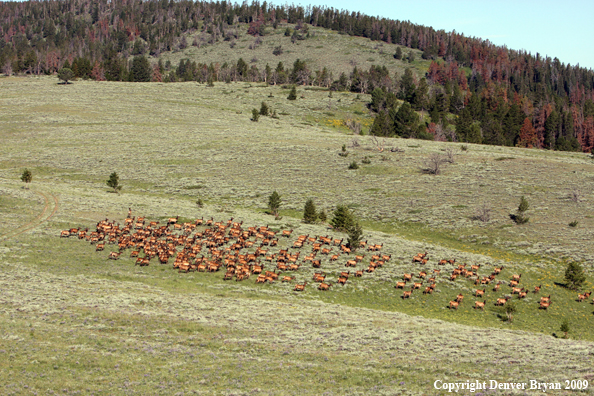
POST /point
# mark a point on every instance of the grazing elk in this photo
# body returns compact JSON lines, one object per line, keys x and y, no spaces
{"x":537,"y":289}
{"x":480,"y":305}
{"x":585,"y":296}
{"x":544,"y":305}
{"x":406,"y":294}
{"x":479,"y":293}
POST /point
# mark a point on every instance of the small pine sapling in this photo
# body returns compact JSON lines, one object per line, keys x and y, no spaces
{"x":309,"y":212}
{"x":255,"y":115}
{"x":114,"y":182}
{"x":26,"y":177}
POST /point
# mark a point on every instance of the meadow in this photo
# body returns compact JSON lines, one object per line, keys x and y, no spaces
{"x":74,"y":322}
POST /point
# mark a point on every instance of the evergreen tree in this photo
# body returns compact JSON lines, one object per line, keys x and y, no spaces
{"x":309,"y":212}
{"x":255,"y":115}
{"x":405,"y":121}
{"x":292,"y":94}
{"x":274,"y":202}
{"x":574,"y":276}
{"x":520,"y":217}
{"x":264,"y":109}
{"x":407,"y":86}
{"x":26,"y":177}
{"x":398,"y":54}
{"x":114,"y":182}
{"x":463,"y":124}
{"x":355,"y":235}
{"x":322,"y":216}
{"x":65,"y":74}
{"x":342,"y":218}
{"x":140,"y":70}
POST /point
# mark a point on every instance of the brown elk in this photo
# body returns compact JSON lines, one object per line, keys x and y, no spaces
{"x":417,"y":285}
{"x":582,"y":297}
{"x":480,"y":305}
{"x":459,"y":298}
{"x":406,"y":294}
{"x":428,"y":290}
{"x":342,"y":280}
{"x":407,"y":277}
{"x":497,"y":270}
{"x":545,"y":299}
{"x":400,"y":285}
{"x":501,"y":301}
{"x":324,"y":286}
{"x":479,"y":293}
{"x":114,"y":255}
{"x":516,"y":277}
{"x":359,"y":273}
{"x":544,"y":305}
{"x":287,"y":278}
{"x":454,"y":304}
{"x":536,"y":289}
{"x":300,"y":287}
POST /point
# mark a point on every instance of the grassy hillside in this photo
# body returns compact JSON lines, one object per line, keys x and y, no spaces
{"x":339,"y":53}
{"x":73,"y":321}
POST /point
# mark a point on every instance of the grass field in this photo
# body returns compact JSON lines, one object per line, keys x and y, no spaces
{"x":74,"y":322}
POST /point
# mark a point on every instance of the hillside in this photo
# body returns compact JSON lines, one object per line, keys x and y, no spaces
{"x":474,"y":91}
{"x":75,"y":321}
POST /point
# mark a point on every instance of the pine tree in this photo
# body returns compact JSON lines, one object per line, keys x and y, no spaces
{"x":264,"y":109}
{"x":292,"y":94}
{"x":398,"y":54}
{"x":274,"y":202}
{"x":528,"y":137}
{"x":27,"y":176}
{"x":520,"y":217}
{"x":141,"y":69}
{"x":322,"y":216}
{"x":255,"y":115}
{"x":342,"y":218}
{"x":355,"y":235}
{"x":114,"y":182}
{"x":65,"y":74}
{"x":574,"y":276}
{"x":309,"y":212}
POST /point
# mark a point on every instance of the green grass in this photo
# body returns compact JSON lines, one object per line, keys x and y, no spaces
{"x":70,"y":316}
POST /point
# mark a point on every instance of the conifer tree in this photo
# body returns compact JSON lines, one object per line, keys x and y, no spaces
{"x":342,"y":218}
{"x":27,"y":176}
{"x":292,"y":94}
{"x":309,"y":212}
{"x":114,"y":182}
{"x":274,"y":202}
{"x":574,"y":276}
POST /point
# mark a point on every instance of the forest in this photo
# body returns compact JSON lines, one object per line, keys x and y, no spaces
{"x":473,"y":91}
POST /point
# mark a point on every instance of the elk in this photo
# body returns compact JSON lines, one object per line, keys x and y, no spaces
{"x":114,"y":255}
{"x":400,"y":285}
{"x":522,"y":295}
{"x":359,"y":273}
{"x":300,"y":287}
{"x":417,"y":285}
{"x":428,"y":290}
{"x":324,"y":286}
{"x":545,"y":299}
{"x":501,"y":301}
{"x":422,"y":274}
{"x":516,"y":277}
{"x":287,"y":278}
{"x":342,"y":280}
{"x":517,"y":290}
{"x":480,"y":305}
{"x":496,"y":271}
{"x":544,"y":305}
{"x":537,"y":289}
{"x":475,"y":267}
{"x":351,"y":263}
{"x":479,"y":293}
{"x":459,"y":298}
{"x":454,"y":304}
{"x":406,"y":294}
{"x":582,"y":297}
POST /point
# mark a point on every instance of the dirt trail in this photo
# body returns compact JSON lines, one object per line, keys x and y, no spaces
{"x":37,"y":221}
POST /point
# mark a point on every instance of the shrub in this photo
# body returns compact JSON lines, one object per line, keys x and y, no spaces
{"x":255,"y":115}
{"x":200,"y":203}
{"x":565,"y":327}
{"x":510,"y":310}
{"x":574,"y":276}
{"x":573,"y":223}
{"x":278,"y":50}
{"x":366,"y":160}
{"x":483,"y":213}
{"x":264,"y":109}
{"x":433,"y":164}
{"x":353,"y":165}
{"x":65,"y":74}
{"x":27,"y":176}
{"x":309,"y":212}
{"x":114,"y":182}
{"x":520,"y":217}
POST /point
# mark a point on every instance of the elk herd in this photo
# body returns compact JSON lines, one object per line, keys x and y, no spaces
{"x":209,"y":246}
